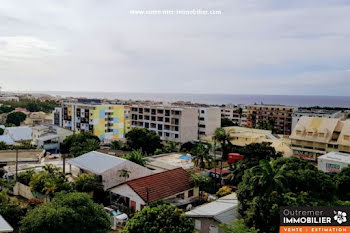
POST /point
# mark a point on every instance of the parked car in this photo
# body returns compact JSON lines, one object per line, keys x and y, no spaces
{"x":117,"y":217}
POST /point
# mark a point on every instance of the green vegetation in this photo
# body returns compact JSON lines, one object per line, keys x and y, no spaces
{"x":144,"y":139}
{"x":281,"y":182}
{"x":253,"y":153}
{"x":342,"y":182}
{"x":203,"y":182}
{"x":81,"y":143}
{"x":201,"y":155}
{"x":15,"y":118}
{"x":89,"y":183}
{"x":160,"y":218}
{"x":225,"y":122}
{"x":223,"y":137}
{"x":116,"y":145}
{"x":49,"y":181}
{"x":30,"y":105}
{"x":26,"y":146}
{"x":238,"y":226}
{"x":68,"y":213}
{"x":10,"y":210}
{"x":223,"y":191}
{"x":6,"y":109}
{"x":136,"y":156}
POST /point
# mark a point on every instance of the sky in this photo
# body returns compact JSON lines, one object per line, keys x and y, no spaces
{"x":253,"y":47}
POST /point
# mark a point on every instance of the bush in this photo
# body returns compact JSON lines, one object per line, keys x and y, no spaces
{"x":223,"y":191}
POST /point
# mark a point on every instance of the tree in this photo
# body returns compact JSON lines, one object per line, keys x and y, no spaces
{"x":238,"y":226}
{"x":223,"y":138}
{"x":205,"y":183}
{"x":223,"y":191}
{"x":136,"y":156}
{"x":49,"y":181}
{"x":10,"y":210}
{"x":15,"y":118}
{"x":116,"y":145}
{"x":201,"y":155}
{"x":124,"y":173}
{"x":87,"y":183}
{"x":253,"y":153}
{"x":25,"y":177}
{"x":282,"y":182}
{"x":81,"y":143}
{"x":3,"y":146}
{"x":342,"y":182}
{"x":160,"y":218}
{"x":144,"y":139}
{"x":68,"y":213}
{"x":225,"y":122}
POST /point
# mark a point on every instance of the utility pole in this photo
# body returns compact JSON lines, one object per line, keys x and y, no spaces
{"x":64,"y":164}
{"x":16,"y":163}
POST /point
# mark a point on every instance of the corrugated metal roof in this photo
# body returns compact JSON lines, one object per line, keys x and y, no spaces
{"x":96,"y":162}
{"x":336,"y":156}
{"x":22,"y":133}
{"x":4,"y":226}
{"x":6,"y":139}
{"x":223,"y":209}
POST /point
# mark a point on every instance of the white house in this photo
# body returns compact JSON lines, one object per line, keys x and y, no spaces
{"x":109,"y":167}
{"x":333,"y":162}
{"x":208,"y":217}
{"x":171,"y":186}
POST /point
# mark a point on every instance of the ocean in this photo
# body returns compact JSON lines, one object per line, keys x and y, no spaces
{"x":218,"y":99}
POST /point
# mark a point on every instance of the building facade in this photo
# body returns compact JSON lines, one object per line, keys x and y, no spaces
{"x":179,"y":124}
{"x":281,"y":116}
{"x":238,"y":115}
{"x":314,"y":136}
{"x":108,"y":122}
{"x":323,"y":113}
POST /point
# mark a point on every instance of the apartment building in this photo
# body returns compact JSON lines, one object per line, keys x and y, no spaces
{"x":108,"y":122}
{"x":209,"y":121}
{"x":280,"y":115}
{"x":312,"y":112}
{"x":176,"y":123}
{"x":238,"y":115}
{"x":315,"y":136}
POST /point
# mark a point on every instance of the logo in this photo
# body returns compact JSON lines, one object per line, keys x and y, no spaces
{"x":340,"y":217}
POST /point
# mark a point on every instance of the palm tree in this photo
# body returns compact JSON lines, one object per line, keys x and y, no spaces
{"x":136,"y":156}
{"x":223,"y":138}
{"x":124,"y":173}
{"x":268,"y":178}
{"x":201,"y":155}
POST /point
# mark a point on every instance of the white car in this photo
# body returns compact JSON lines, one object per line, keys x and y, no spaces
{"x":118,"y":217}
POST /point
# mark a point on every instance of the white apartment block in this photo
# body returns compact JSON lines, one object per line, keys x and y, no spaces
{"x":232,"y":113}
{"x":179,"y":124}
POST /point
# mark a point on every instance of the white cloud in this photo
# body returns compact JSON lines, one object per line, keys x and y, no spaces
{"x":255,"y":46}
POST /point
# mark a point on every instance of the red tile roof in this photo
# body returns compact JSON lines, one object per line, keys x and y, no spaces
{"x":161,"y":185}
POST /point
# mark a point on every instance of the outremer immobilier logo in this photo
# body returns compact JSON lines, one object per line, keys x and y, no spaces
{"x":315,"y":219}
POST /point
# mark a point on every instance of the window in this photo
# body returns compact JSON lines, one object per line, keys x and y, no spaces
{"x":197,"y":224}
{"x":181,"y":195}
{"x":346,"y":137}
{"x":190,"y":193}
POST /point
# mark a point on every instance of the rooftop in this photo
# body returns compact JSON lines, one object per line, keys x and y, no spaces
{"x":20,"y":133}
{"x":23,"y":155}
{"x":161,"y":185}
{"x":172,"y":160}
{"x":96,"y":162}
{"x":6,"y":139}
{"x":224,"y":210}
{"x":336,"y":157}
{"x":4,"y":226}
